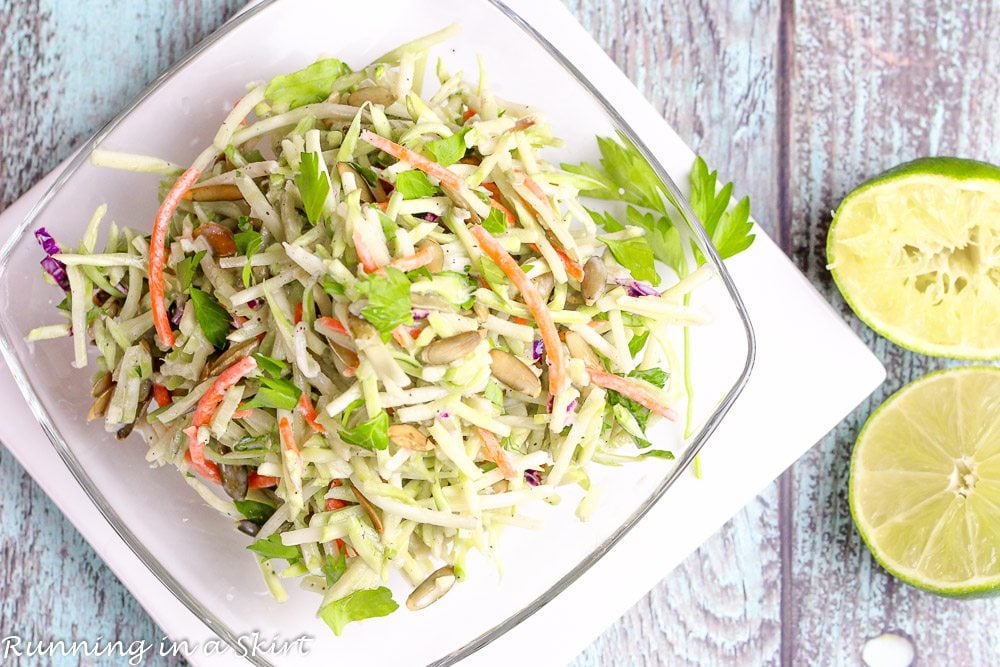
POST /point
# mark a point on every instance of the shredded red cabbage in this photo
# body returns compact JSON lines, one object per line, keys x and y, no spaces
{"x":537,"y":349}
{"x":636,"y":288}
{"x":52,"y":266}
{"x":175,"y":314}
{"x":420,"y":314}
{"x":533,"y":477}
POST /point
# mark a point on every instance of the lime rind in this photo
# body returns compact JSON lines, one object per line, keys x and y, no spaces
{"x":976,"y":586}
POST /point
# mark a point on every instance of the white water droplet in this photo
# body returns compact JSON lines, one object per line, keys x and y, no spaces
{"x":888,"y":650}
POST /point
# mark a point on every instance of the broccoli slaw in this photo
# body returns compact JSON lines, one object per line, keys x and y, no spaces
{"x":373,"y":327}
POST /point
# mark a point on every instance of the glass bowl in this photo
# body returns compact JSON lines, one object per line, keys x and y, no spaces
{"x":189,"y":547}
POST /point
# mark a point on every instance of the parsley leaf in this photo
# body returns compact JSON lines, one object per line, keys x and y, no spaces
{"x":186,"y":269}
{"x":308,"y":85}
{"x":449,"y":150}
{"x":414,"y":184}
{"x":635,"y":255}
{"x":254,"y":511}
{"x":638,"y":342}
{"x":657,"y":454}
{"x":496,"y":222}
{"x":248,"y":242}
{"x":313,"y":184}
{"x":492,"y":274}
{"x":271,"y":366}
{"x":728,"y":228}
{"x":334,"y":568}
{"x":359,"y":605}
{"x":371,"y":435}
{"x":331,"y":286}
{"x":273,"y":548}
{"x":654,"y":376}
{"x":388,"y":300}
{"x":212,"y":318}
{"x":625,"y":175}
{"x":275,"y":393}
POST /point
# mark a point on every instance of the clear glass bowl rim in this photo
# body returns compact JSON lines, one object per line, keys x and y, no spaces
{"x":154,"y":565}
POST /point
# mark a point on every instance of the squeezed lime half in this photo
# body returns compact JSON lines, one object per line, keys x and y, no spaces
{"x":916,"y":254}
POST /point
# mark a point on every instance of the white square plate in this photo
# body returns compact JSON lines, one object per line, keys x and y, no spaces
{"x":795,"y":354}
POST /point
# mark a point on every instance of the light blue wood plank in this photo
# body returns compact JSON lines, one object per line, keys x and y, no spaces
{"x":709,"y":68}
{"x":66,"y":68}
{"x":874,"y":86}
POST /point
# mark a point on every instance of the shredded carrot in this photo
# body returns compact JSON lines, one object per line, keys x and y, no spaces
{"x":335,"y":504}
{"x":158,"y":254}
{"x":536,"y":189}
{"x":288,"y":438}
{"x":210,"y":401}
{"x":523,"y":124}
{"x":422,"y":257}
{"x":492,"y":451}
{"x":632,"y":390}
{"x":448,"y":178}
{"x":534,"y":302}
{"x":383,"y":205}
{"x":206,"y":469}
{"x":367,"y":261}
{"x":573,"y":269}
{"x":243,"y":414}
{"x":309,"y":412}
{"x":210,"y":471}
{"x":261,"y":481}
{"x":161,"y":395}
{"x":298,"y":312}
{"x":469,"y":113}
{"x":518,"y":320}
{"x":494,"y":190}
{"x":402,"y":337}
{"x":332,"y":323}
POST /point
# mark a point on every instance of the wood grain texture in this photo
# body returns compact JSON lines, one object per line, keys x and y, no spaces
{"x":795,"y":101}
{"x":66,"y":68}
{"x":873,"y":86}
{"x":709,"y":68}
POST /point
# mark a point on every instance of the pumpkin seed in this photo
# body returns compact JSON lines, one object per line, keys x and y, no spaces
{"x":348,"y":356}
{"x":452,"y":348}
{"x":219,"y":238}
{"x":369,"y":509}
{"x":514,"y":373}
{"x":595,"y":279}
{"x":249,"y":527}
{"x":235,"y":480}
{"x":437,"y":254}
{"x":409,"y":437}
{"x":221,"y":192}
{"x":481,"y":310}
{"x":100,"y":405}
{"x":101,"y":385}
{"x":373,"y":94}
{"x":360,"y":328}
{"x":544,"y":284}
{"x":232,"y":354}
{"x":580,"y":349}
{"x":366,"y":192}
{"x":432,"y":588}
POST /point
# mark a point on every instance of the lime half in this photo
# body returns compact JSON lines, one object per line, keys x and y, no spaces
{"x":925,"y":482}
{"x":916,"y":254}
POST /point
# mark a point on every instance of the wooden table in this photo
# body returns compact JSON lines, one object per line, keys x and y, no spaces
{"x":797,"y":102}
